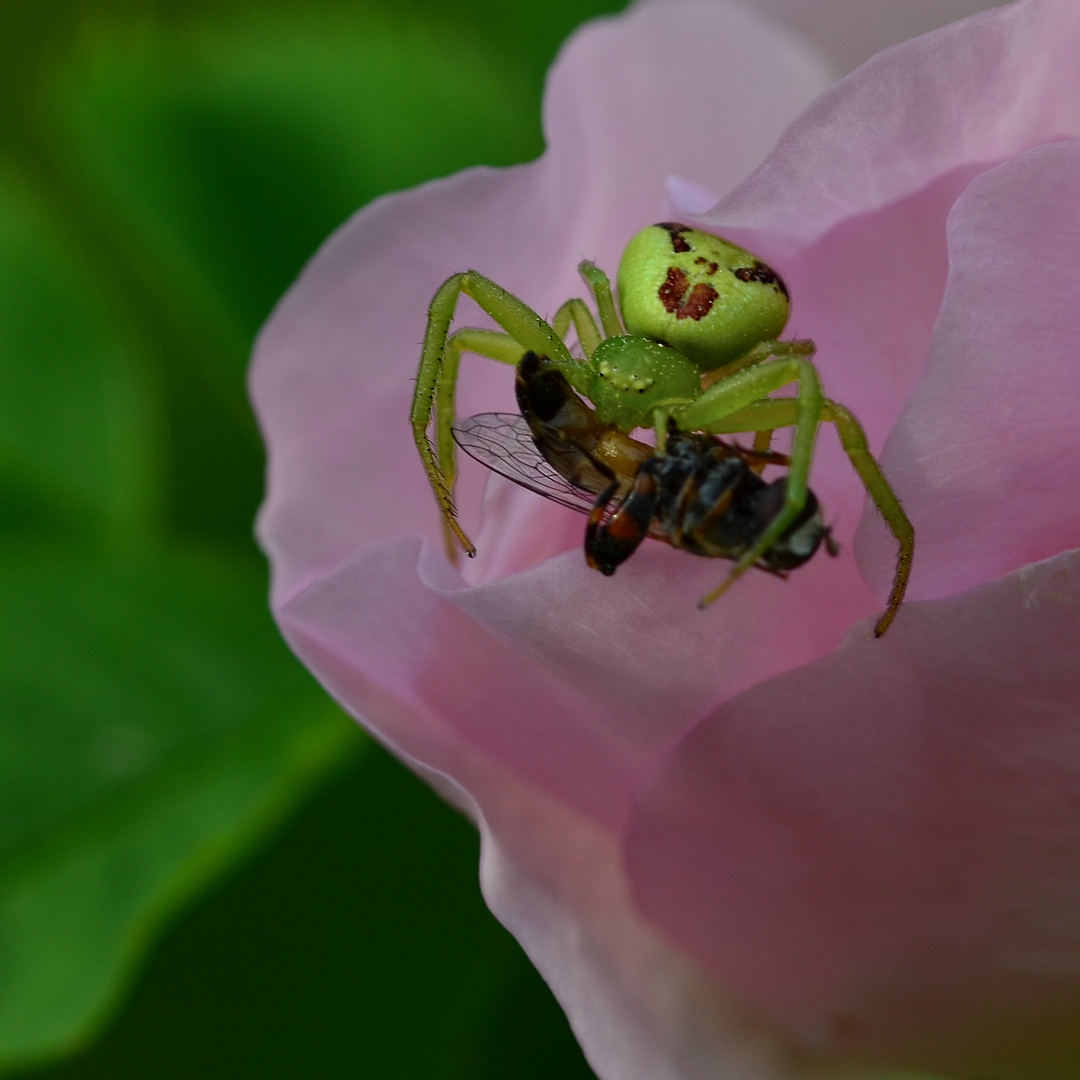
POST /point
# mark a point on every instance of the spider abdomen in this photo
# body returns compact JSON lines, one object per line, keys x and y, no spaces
{"x":702,"y":295}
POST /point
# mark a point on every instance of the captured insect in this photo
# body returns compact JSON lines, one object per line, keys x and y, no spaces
{"x":696,"y":351}
{"x":699,"y":493}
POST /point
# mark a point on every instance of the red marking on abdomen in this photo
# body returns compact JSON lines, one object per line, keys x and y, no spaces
{"x":682,"y":301}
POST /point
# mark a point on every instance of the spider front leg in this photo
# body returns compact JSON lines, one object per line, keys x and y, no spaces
{"x":782,"y":412}
{"x":436,"y":379}
{"x":600,"y":287}
{"x":493,"y":345}
{"x":574,"y":311}
{"x":734,"y":394}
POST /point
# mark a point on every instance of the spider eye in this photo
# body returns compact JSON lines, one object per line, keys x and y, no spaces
{"x":700,"y":294}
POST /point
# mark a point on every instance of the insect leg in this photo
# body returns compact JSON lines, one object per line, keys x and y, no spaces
{"x":762,"y":449}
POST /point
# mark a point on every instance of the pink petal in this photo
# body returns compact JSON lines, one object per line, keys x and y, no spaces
{"x":849,"y":32}
{"x":883,"y":849}
{"x":973,"y":93}
{"x":640,"y":1009}
{"x":987,"y":450}
{"x":519,"y":708}
{"x":575,"y":682}
{"x":868,"y":293}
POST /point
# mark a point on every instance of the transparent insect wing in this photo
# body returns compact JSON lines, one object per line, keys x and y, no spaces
{"x":503,"y":443}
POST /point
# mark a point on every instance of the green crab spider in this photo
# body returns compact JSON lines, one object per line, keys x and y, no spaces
{"x":697,"y":345}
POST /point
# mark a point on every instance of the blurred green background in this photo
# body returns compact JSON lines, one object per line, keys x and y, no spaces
{"x":205,"y":871}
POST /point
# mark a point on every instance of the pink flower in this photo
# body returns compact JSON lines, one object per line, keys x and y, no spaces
{"x":750,"y":842}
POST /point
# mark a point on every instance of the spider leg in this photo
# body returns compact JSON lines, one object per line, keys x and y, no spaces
{"x":576,"y":312}
{"x":495,"y":346}
{"x":761,"y":352}
{"x":600,"y":287}
{"x":492,"y":344}
{"x":734,"y":393}
{"x":437,"y":375}
{"x":782,"y":412}
{"x":853,"y":440}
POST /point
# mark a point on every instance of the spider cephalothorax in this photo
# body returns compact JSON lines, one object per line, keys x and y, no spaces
{"x":696,"y":350}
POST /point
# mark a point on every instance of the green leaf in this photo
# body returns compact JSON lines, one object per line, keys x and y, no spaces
{"x":356,"y":944}
{"x":153,"y":725}
{"x":232,"y":153}
{"x":77,"y":439}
